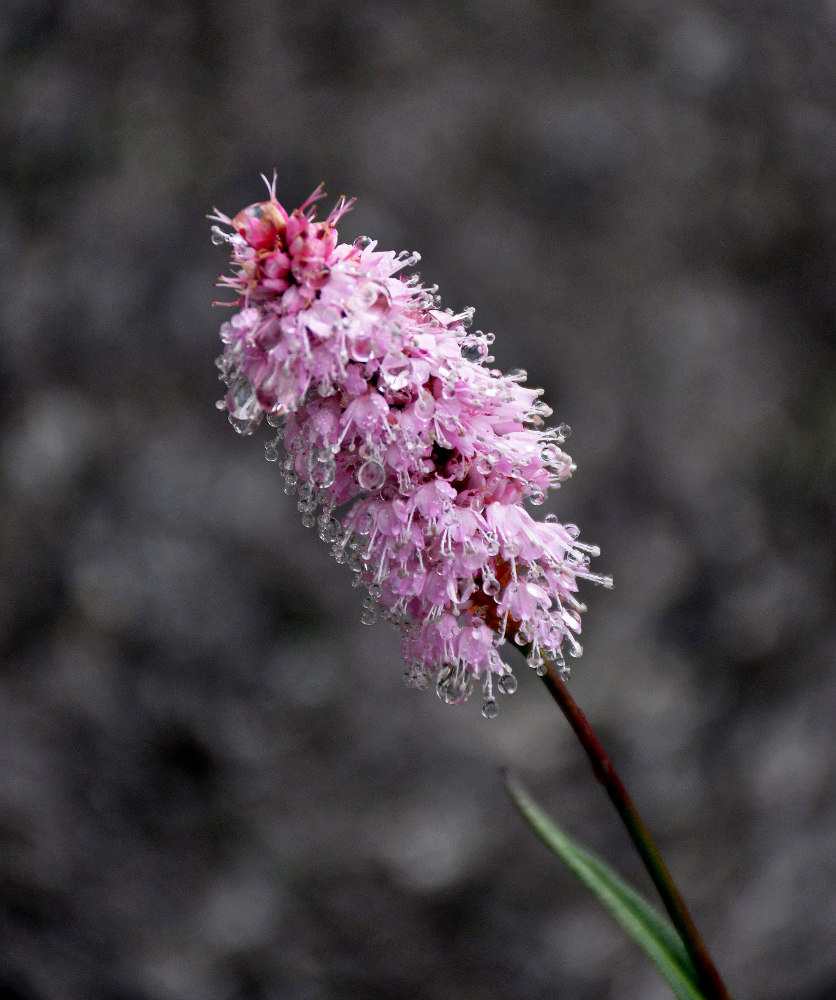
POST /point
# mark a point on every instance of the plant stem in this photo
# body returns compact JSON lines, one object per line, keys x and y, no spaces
{"x":708,"y":977}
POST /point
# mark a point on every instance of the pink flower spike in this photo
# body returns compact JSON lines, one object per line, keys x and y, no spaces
{"x":386,"y":409}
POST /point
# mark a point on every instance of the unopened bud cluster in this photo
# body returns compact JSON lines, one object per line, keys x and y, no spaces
{"x":385,"y":407}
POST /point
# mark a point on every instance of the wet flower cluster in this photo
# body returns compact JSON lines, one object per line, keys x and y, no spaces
{"x":409,"y":453}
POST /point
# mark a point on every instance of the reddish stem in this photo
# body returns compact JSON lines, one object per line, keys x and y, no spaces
{"x":707,"y":975}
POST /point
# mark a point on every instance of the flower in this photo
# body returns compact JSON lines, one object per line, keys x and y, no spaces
{"x":389,"y":412}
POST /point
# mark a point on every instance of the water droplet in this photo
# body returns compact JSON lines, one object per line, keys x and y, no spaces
{"x":323,"y":474}
{"x":453,"y":685}
{"x":550,"y":518}
{"x":490,"y":709}
{"x":271,"y":452}
{"x":368,"y":617}
{"x":329,"y":530}
{"x":308,"y":520}
{"x":375,"y":590}
{"x":218,"y":236}
{"x":242,"y":402}
{"x":563,"y":431}
{"x":243,"y":427}
{"x":538,"y":498}
{"x":523,"y":636}
{"x":364,"y":298}
{"x":371,"y":475}
{"x":564,"y":672}
{"x":491,"y":586}
{"x":396,"y":370}
{"x":424,"y":405}
{"x":416,"y":677}
{"x":507,"y":683}
{"x":363,"y":526}
{"x":542,"y":670}
{"x":535,"y":661}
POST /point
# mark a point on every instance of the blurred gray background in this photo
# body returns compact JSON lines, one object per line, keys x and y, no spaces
{"x":213,"y":783}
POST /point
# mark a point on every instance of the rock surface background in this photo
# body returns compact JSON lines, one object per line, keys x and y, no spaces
{"x":212,"y":782}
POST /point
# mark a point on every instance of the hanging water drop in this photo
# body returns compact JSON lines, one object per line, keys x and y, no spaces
{"x":507,"y":684}
{"x":453,"y":685}
{"x":490,"y":709}
{"x":323,"y":471}
{"x":329,"y":530}
{"x":535,"y":661}
{"x":243,"y":427}
{"x":523,"y":636}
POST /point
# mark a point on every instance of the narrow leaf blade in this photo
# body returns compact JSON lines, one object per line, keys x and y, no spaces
{"x":648,"y":928}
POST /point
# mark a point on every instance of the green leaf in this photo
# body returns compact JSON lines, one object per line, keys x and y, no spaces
{"x":646,"y":926}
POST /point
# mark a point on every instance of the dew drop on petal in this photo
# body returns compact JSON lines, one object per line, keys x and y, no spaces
{"x":371,"y":475}
{"x":323,"y":474}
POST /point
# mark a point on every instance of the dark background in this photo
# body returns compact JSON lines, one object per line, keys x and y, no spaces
{"x":212,"y":781}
